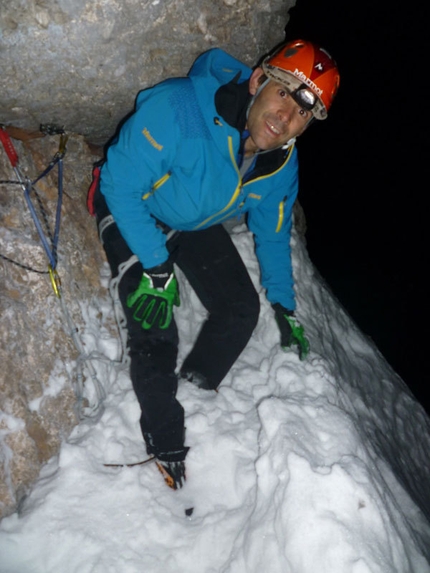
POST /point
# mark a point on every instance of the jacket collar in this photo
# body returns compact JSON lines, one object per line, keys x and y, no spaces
{"x":231,"y":102}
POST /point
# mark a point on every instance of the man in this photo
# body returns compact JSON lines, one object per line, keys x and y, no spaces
{"x":196,"y":152}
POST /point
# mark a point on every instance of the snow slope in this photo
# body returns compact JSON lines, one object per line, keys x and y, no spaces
{"x":294,"y":467}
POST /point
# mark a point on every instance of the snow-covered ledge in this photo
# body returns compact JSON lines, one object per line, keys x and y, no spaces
{"x":319,"y":465}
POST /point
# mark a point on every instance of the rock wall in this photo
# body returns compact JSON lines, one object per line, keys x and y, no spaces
{"x":79,"y":64}
{"x":37,"y":353}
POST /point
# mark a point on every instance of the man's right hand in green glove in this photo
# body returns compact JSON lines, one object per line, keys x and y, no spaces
{"x":152,"y":302}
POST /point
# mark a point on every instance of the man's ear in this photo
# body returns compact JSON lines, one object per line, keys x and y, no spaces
{"x":254,"y":80}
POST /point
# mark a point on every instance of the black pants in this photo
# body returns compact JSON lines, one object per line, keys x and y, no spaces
{"x":216,"y":272}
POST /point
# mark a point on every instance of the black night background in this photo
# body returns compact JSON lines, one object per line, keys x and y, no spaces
{"x":362,"y":180}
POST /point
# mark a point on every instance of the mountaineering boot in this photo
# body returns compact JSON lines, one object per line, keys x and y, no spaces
{"x":173,"y":473}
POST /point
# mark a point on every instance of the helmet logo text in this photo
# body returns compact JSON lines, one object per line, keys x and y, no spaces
{"x":308,"y":82}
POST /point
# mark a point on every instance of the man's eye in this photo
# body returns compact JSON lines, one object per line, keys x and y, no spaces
{"x":303,"y":112}
{"x":283,"y":93}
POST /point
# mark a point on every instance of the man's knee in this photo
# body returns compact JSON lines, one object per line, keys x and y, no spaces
{"x":241,"y":315}
{"x":252,"y":311}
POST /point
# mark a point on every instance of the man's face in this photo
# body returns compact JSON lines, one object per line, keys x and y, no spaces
{"x":274,"y":117}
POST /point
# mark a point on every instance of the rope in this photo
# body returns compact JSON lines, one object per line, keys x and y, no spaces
{"x":28,"y":186}
{"x":117,"y":306}
{"x":95,"y":410}
{"x":22,"y":266}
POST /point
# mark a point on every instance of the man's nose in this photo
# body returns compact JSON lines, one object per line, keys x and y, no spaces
{"x":285,"y":113}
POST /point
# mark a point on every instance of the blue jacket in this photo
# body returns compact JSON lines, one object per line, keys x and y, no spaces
{"x":175,"y":159}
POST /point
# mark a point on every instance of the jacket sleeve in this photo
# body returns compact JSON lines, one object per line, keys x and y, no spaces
{"x":139,"y":157}
{"x":271,"y":224}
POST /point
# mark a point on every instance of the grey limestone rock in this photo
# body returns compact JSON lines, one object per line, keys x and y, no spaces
{"x":79,"y":64}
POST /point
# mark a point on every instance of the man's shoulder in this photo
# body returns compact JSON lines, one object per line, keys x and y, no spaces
{"x":161,"y":95}
{"x":163,"y":88}
{"x":220,"y":66}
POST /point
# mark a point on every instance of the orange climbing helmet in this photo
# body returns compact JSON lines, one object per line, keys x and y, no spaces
{"x":308,"y":72}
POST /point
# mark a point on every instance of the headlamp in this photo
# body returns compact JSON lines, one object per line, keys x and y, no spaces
{"x":304,"y":97}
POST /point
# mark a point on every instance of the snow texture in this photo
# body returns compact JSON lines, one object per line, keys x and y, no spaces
{"x":294,"y":467}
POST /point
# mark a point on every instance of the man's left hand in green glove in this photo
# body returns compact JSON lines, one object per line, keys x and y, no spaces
{"x":292,"y":332}
{"x":152,"y":302}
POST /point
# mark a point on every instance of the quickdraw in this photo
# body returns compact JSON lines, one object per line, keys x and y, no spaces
{"x":50,"y":244}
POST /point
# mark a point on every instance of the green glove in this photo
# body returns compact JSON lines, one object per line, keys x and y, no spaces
{"x":292,"y":332}
{"x":152,"y":302}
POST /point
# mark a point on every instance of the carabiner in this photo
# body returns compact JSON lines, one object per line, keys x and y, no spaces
{"x":55,"y":281}
{"x":62,"y":146}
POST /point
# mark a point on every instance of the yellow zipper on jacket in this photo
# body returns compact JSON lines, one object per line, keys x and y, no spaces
{"x":157,"y":185}
{"x":281,"y":207}
{"x":273,"y":172}
{"x":235,"y":194}
{"x":280,"y":217}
